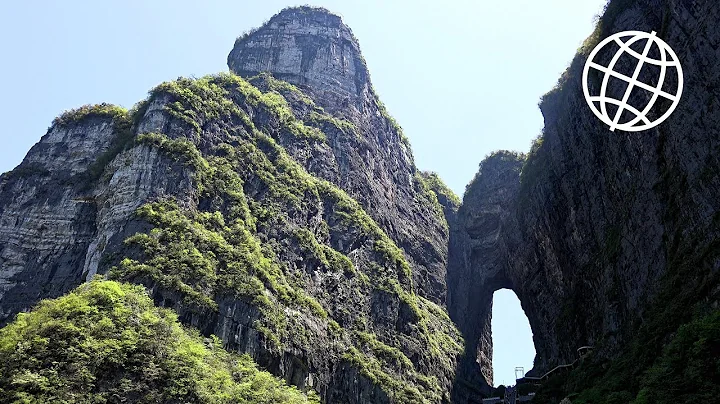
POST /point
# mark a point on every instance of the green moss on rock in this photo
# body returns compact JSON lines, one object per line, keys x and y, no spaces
{"x":253,"y":207}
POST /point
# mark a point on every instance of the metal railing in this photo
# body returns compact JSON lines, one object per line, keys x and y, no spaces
{"x":582,"y":352}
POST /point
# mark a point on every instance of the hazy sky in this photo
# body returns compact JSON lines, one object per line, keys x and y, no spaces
{"x":463,"y":78}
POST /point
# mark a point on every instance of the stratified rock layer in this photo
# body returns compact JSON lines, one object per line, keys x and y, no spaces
{"x":308,"y":47}
{"x":478,"y":266}
{"x":257,"y":215}
{"x":315,"y":50}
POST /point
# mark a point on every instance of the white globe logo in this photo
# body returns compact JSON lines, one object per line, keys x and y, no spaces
{"x":667,"y":65}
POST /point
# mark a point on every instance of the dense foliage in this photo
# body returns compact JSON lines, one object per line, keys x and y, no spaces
{"x":686,"y":371}
{"x":106,"y":342}
{"x":102,"y":110}
{"x":445,"y":195}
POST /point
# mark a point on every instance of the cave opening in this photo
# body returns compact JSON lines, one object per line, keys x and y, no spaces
{"x":512,"y":338}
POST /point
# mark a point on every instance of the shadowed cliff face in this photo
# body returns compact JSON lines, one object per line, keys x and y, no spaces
{"x":478,"y":253}
{"x":46,"y":227}
{"x":478,"y":266}
{"x":597,"y":223}
{"x":73,"y":196}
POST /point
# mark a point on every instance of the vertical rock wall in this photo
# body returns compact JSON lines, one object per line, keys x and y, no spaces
{"x":597,"y":221}
{"x":316,"y":51}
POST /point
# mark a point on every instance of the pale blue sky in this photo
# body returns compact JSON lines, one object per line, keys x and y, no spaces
{"x":463,"y":78}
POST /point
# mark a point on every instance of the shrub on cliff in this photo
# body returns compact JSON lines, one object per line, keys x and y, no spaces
{"x":106,"y":342}
{"x":689,"y":369}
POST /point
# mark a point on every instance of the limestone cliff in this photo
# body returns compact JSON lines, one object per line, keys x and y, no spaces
{"x":317,"y":52}
{"x":609,"y":239}
{"x":478,"y":264}
{"x":290,"y":223}
{"x":278,"y":207}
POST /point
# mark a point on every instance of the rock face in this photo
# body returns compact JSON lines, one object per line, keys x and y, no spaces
{"x":279,"y":208}
{"x":307,"y":47}
{"x":45,"y":231}
{"x":595,"y":227}
{"x":316,"y":51}
{"x":479,"y":264}
{"x":288,"y":222}
{"x":48,"y":218}
{"x":60,"y":207}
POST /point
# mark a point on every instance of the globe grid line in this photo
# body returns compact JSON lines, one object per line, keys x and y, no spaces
{"x":627,"y":107}
{"x":645,"y":59}
{"x":606,"y":79}
{"x":624,"y":47}
{"x":661,"y":81}
{"x":631,"y":83}
{"x":640,"y":84}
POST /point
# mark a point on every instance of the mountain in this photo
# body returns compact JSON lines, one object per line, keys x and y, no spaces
{"x":278,"y":208}
{"x":290,"y":221}
{"x":609,"y":239}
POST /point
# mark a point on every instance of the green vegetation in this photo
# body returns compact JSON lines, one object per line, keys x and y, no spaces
{"x":195,"y":102}
{"x":393,"y":123}
{"x":686,"y":370}
{"x":180,"y":149}
{"x":250,"y":208}
{"x":434,"y":194}
{"x":199,"y":101}
{"x":228,"y":238}
{"x":207,"y":255}
{"x":384,"y":352}
{"x":283,"y":87}
{"x":445,"y":195}
{"x":106,"y":342}
{"x":373,"y":369}
{"x":532,"y":168}
{"x":326,"y":255}
{"x":305,"y":9}
{"x":389,"y":367}
{"x":499,"y":155}
{"x":689,"y":368}
{"x":103,"y":110}
{"x":604,"y":27}
{"x":314,"y":123}
{"x":442,"y":338}
{"x":673,"y":355}
{"x":122,"y":138}
{"x":321,"y":118}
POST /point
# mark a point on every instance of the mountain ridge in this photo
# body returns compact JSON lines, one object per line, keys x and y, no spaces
{"x":220,"y":198}
{"x":278,"y":207}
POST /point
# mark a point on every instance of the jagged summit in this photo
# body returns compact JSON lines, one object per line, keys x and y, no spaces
{"x":306,"y":46}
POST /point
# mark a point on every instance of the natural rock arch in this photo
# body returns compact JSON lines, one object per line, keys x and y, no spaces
{"x":483,"y":234}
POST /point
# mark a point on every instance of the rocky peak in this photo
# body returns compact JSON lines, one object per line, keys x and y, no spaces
{"x":314,"y":50}
{"x":306,"y":46}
